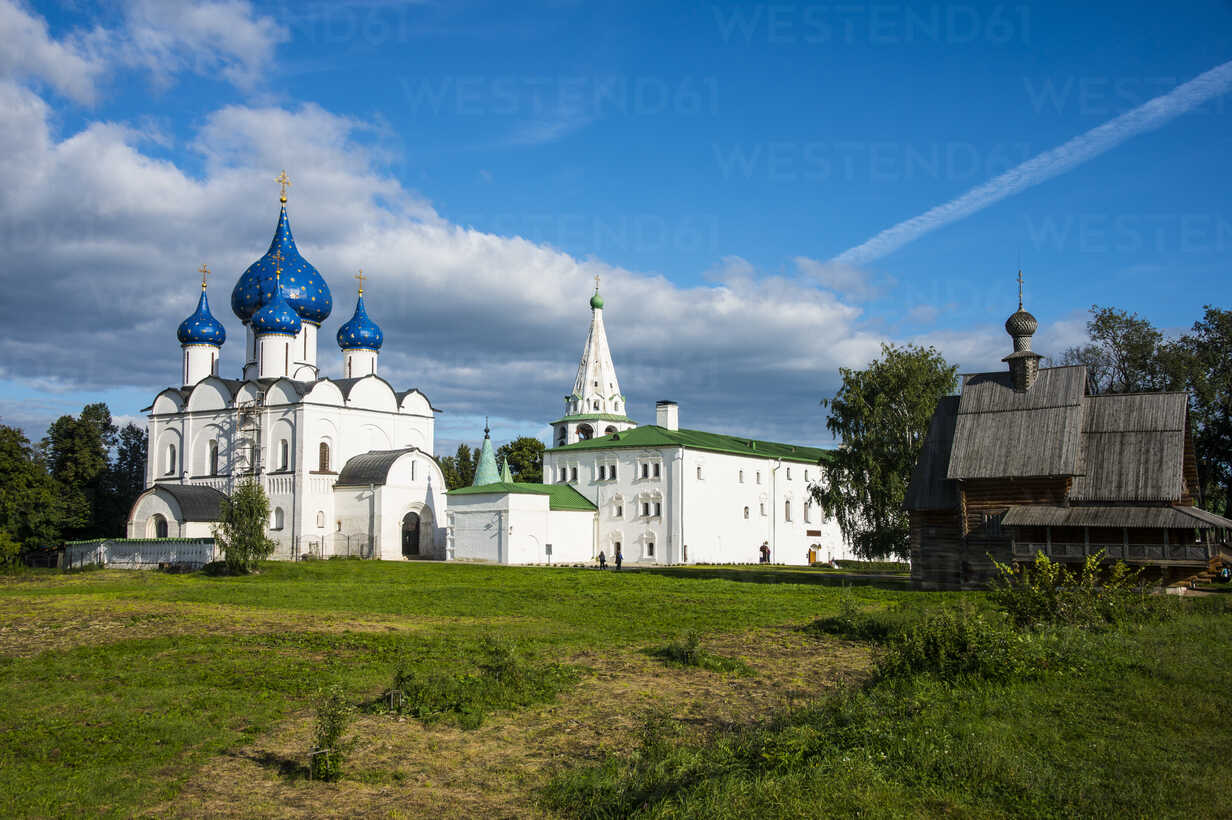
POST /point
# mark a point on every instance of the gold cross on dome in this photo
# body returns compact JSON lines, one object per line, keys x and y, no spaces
{"x":278,"y":266}
{"x":204,"y":271}
{"x":596,"y":283}
{"x":284,"y":181}
{"x":360,"y":276}
{"x":1020,"y":288}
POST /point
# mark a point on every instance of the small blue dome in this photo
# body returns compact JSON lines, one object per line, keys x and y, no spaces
{"x":360,"y":331}
{"x":202,"y":328}
{"x":302,"y":286}
{"x":276,"y":317}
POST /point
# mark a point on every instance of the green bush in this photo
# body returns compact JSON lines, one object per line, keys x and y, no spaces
{"x":688,"y":652}
{"x":334,"y":713}
{"x":1045,"y":592}
{"x":954,"y":643}
{"x":503,"y":680}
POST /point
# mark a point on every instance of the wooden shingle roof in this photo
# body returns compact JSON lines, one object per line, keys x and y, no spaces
{"x":929,"y":488}
{"x":1133,"y":448}
{"x":1001,"y":432}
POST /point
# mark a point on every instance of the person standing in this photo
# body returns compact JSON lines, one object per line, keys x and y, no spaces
{"x":602,"y":560}
{"x":619,"y":558}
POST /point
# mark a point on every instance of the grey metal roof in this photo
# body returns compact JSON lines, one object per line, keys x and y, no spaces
{"x":1173,"y":518}
{"x":1001,"y":432}
{"x":1133,"y":448}
{"x":196,"y":503}
{"x":371,"y":467}
{"x":929,"y":488}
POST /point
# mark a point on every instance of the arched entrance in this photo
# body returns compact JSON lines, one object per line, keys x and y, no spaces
{"x":157,"y":526}
{"x":410,"y":535}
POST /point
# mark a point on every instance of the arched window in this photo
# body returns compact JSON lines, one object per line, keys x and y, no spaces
{"x":278,"y":519}
{"x":284,"y":455}
{"x":746,"y":512}
{"x":171,"y":459}
{"x":213,"y":456}
{"x":320,"y":519}
{"x":787,"y":510}
{"x":323,"y":460}
{"x":610,"y":429}
{"x":596,"y":404}
{"x":157,"y":526}
{"x":585,"y":432}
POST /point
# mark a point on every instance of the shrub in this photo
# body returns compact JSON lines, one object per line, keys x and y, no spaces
{"x":856,"y":624}
{"x":1046,"y":592}
{"x":240,"y":532}
{"x":953,"y":643}
{"x":688,"y":652}
{"x":334,"y":713}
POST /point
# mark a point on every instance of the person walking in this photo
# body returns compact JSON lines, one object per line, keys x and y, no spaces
{"x":619,"y":558}
{"x":602,"y":560}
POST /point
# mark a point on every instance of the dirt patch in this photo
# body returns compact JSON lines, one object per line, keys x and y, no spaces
{"x":401,"y":768}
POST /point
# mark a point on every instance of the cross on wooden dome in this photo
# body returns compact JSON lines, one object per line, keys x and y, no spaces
{"x":1020,"y":288}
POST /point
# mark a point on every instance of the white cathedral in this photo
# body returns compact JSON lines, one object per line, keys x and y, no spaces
{"x":348,"y":463}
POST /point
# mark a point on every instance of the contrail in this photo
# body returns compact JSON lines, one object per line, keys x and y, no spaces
{"x":1049,"y":164}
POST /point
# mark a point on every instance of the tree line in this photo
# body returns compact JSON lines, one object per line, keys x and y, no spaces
{"x":78,"y":482}
{"x":881,"y":415}
{"x":525,"y":455}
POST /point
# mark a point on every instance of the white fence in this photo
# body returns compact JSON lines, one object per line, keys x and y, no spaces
{"x":141,"y":553}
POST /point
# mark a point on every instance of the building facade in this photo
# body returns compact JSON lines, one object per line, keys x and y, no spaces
{"x":346,"y":462}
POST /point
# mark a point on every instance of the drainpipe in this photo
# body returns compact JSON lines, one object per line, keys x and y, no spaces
{"x":774,"y":483}
{"x":371,"y":518}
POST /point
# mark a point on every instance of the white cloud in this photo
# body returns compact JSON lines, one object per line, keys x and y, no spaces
{"x":30,"y":52}
{"x":1146,"y":117}
{"x":846,"y":280}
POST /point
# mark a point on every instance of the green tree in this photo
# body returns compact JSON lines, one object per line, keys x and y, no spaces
{"x":1199,"y":362}
{"x":881,"y":415}
{"x":240,"y":531}
{"x":1124,"y":355}
{"x":123,"y":481}
{"x":459,"y":469}
{"x":31,"y":505}
{"x":78,"y":454}
{"x":525,"y":456}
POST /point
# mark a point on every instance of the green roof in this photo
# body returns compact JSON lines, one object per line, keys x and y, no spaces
{"x":560,"y":496}
{"x":593,"y":417}
{"x":651,"y":435}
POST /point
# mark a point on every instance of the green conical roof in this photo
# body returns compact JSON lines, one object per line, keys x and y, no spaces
{"x":506,"y":476}
{"x":485,"y":471}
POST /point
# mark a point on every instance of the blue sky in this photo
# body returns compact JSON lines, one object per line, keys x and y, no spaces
{"x":484,"y":160}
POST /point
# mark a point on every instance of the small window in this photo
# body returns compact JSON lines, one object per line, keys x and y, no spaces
{"x":646,"y":508}
{"x":742,"y":476}
{"x":658,"y":509}
{"x":808,"y":513}
{"x":337,"y":526}
{"x":171,"y":459}
{"x":645,"y":470}
{"x":620,"y":511}
{"x":806,"y":475}
{"x":320,"y":519}
{"x":278,"y":519}
{"x":789,"y":474}
{"x":746,"y":512}
{"x":762,"y":505}
{"x":596,"y":404}
{"x":657,"y":465}
{"x":213,"y":456}
{"x":573,"y":473}
{"x":787,"y":510}
{"x":759,"y":476}
{"x":323,"y":457}
{"x":284,"y":455}
{"x":699,"y":472}
{"x":603,"y":472}
{"x":611,"y":472}
{"x":562,"y":477}
{"x":650,"y":549}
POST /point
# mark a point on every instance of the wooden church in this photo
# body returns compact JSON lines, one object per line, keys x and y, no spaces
{"x":1023,"y":461}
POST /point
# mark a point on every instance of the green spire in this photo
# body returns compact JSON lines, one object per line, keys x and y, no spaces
{"x":506,"y":476}
{"x":485,"y":471}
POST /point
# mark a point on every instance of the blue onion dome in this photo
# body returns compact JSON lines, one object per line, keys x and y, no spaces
{"x":276,"y":317}
{"x":302,"y":286}
{"x":360,"y":332}
{"x":201,"y":328}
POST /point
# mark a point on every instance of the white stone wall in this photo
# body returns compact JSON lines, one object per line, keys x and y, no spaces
{"x":699,"y":520}
{"x":516,"y":528}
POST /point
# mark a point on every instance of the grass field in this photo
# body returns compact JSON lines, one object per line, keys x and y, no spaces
{"x":128,"y":693}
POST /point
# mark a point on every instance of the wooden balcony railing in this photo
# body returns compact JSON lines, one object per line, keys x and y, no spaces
{"x":1130,"y":553}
